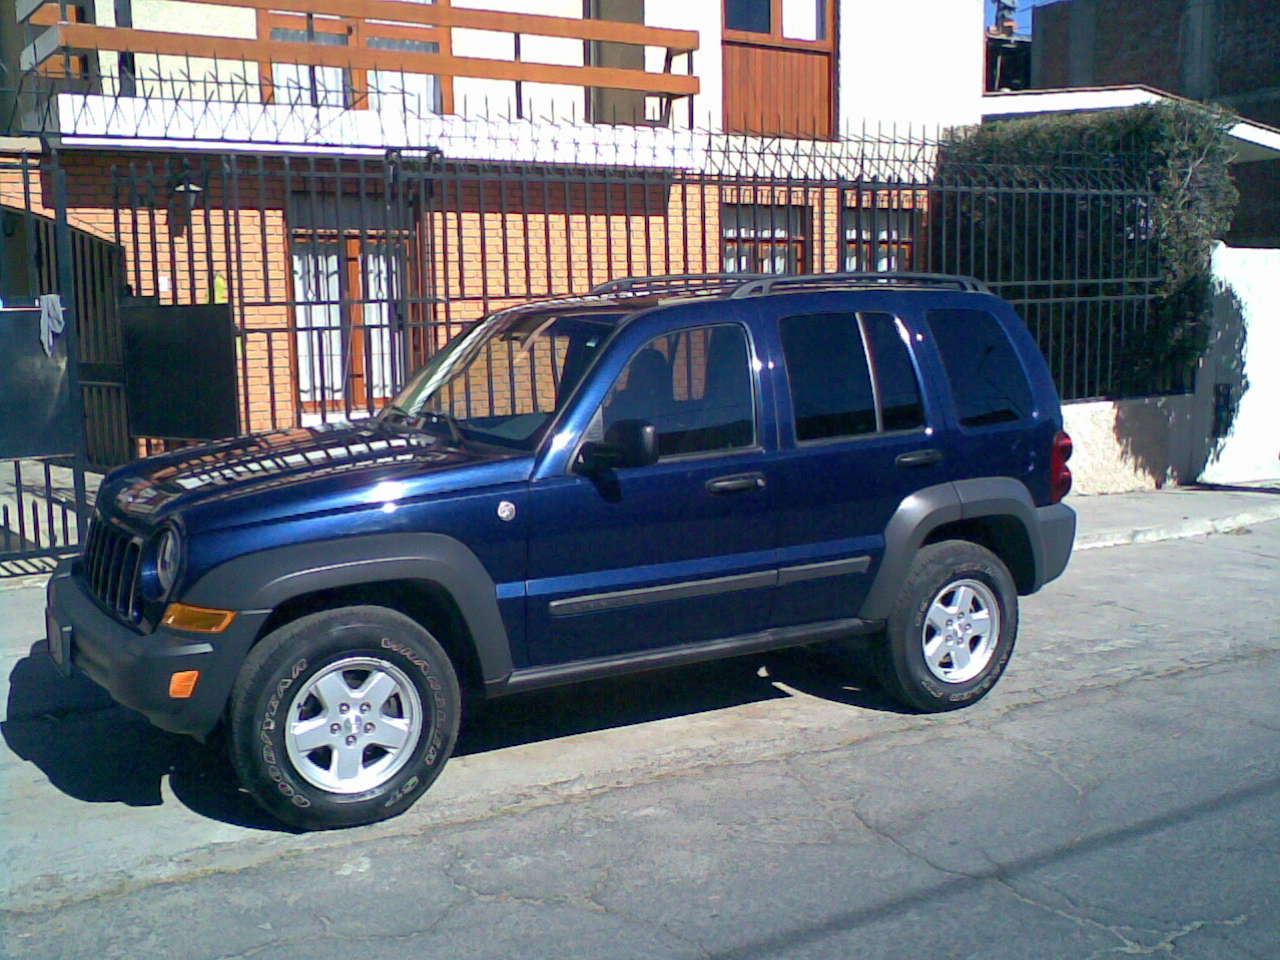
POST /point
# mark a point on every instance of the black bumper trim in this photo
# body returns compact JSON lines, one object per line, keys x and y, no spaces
{"x":1057,"y":524}
{"x":135,"y":668}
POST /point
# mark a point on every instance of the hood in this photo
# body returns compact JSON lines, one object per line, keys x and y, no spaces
{"x":288,"y":472}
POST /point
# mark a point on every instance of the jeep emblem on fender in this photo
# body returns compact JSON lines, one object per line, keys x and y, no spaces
{"x":506,"y":510}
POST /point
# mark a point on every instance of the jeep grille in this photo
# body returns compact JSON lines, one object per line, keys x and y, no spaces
{"x":112,"y":559}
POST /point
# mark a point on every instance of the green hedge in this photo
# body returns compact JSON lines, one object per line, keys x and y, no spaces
{"x":1180,"y":152}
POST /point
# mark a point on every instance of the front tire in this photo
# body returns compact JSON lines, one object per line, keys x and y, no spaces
{"x":952,"y":629}
{"x":343,"y":717}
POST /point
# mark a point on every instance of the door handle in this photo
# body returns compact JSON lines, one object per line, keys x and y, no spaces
{"x":919,"y":458}
{"x":736,"y":483}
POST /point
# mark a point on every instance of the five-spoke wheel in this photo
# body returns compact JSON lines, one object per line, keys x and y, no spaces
{"x":343,"y":717}
{"x":354,"y":725}
{"x":960,"y":631}
{"x":952,"y":629}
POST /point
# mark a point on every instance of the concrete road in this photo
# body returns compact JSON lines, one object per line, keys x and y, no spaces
{"x":1118,"y":793}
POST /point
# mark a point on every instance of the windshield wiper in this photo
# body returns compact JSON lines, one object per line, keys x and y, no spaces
{"x":449,"y":420}
{"x":417,"y":421}
{"x":395,"y":411}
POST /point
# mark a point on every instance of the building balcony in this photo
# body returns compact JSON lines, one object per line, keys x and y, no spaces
{"x":332,"y":70}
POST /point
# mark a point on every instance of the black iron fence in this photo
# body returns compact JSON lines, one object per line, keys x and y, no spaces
{"x":1074,"y":249}
{"x":333,"y":275}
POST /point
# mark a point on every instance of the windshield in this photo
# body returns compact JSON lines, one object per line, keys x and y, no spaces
{"x":505,"y":379}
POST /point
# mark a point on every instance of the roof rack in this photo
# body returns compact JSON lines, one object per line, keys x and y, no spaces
{"x":760,"y":286}
{"x":673,"y":282}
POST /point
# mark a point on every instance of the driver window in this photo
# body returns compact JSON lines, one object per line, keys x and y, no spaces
{"x":694,"y":386}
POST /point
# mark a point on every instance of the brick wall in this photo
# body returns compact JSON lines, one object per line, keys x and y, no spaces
{"x":1248,"y":54}
{"x":1248,"y":80}
{"x":1131,"y":43}
{"x":1144,"y":43}
{"x":1050,"y":29}
{"x":1138,"y":43}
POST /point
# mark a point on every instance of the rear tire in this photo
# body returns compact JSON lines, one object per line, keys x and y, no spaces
{"x":952,"y":629}
{"x":343,"y":717}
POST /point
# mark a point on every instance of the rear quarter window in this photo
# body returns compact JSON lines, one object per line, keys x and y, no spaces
{"x":986,"y":378}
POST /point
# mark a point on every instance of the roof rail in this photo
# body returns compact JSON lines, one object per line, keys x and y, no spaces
{"x":672,"y":282}
{"x":762,"y":285}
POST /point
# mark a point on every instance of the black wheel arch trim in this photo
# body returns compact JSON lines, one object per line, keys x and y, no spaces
{"x":931,"y":507}
{"x":263,"y":580}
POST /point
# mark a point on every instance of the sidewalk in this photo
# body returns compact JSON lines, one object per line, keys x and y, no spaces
{"x":1112,"y":520}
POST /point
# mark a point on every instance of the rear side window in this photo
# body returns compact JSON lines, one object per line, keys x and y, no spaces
{"x":987,"y":380}
{"x":835,"y":386}
{"x":830,"y":382}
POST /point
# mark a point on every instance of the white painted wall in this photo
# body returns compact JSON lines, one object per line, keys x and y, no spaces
{"x":496,"y":98}
{"x":195,"y":78}
{"x":917,"y":61}
{"x":1126,"y":445}
{"x":1251,"y":277}
{"x":705,"y":16}
{"x":1152,"y":442}
{"x":473,"y":98}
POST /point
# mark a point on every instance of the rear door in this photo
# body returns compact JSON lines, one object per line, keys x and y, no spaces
{"x":857,"y":438}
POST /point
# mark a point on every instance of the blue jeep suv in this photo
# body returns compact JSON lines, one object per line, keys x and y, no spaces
{"x":668,"y":470}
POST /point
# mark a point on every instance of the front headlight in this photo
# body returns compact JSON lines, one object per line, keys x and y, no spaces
{"x":168,"y":558}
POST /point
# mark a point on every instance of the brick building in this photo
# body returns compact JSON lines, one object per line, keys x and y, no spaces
{"x":1221,"y":51}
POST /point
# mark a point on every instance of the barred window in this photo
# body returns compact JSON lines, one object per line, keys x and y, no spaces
{"x":765,"y":239}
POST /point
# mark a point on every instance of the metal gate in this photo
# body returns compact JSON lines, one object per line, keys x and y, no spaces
{"x":43,"y":497}
{"x":321,"y":262}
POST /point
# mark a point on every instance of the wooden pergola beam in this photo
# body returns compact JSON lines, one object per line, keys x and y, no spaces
{"x":126,"y":40}
{"x":436,"y":15}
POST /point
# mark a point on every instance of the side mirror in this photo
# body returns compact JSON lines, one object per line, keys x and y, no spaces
{"x":628,"y":443}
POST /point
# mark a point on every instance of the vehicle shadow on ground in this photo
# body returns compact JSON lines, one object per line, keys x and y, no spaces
{"x":828,"y":672}
{"x":96,"y":751}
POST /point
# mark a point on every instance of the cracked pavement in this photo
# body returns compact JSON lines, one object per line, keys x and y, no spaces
{"x":1118,"y":794}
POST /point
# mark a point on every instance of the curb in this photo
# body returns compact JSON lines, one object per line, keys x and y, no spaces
{"x":1180,"y":531}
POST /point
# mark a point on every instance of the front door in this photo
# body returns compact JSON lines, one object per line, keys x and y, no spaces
{"x":673,"y":553}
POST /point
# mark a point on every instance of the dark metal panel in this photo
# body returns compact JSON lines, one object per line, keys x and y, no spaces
{"x":180,"y":370}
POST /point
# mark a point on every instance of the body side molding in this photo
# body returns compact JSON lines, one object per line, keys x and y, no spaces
{"x":534,"y":678}
{"x":708,"y":587}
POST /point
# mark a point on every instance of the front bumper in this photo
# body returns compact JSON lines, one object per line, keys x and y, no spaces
{"x":135,"y":668}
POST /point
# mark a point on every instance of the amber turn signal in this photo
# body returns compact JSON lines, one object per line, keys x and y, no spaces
{"x":180,"y":616}
{"x":183,"y":684}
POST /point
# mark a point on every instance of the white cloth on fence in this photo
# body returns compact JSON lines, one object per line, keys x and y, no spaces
{"x":51,"y":321}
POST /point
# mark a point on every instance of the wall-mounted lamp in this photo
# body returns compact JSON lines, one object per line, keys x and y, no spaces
{"x":184,"y":185}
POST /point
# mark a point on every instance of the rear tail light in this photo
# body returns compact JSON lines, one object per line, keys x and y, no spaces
{"x":1059,"y":472}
